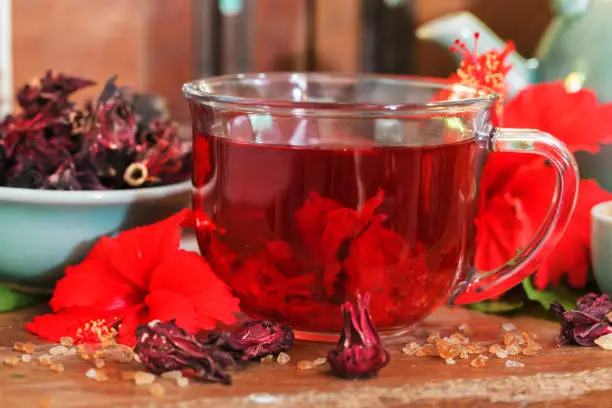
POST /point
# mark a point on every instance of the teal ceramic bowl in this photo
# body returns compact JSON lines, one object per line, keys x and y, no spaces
{"x":43,"y":231}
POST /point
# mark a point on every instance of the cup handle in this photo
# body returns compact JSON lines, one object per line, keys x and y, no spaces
{"x":485,"y":285}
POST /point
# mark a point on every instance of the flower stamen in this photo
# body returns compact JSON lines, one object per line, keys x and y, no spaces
{"x":99,"y":331}
{"x":484,"y":70}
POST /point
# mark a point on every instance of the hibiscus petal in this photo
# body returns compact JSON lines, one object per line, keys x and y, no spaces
{"x":572,"y":255}
{"x":90,"y":284}
{"x":67,"y":322}
{"x":165,"y":305}
{"x":53,"y":326}
{"x":369,"y":207}
{"x":130,"y":320}
{"x":310,"y":220}
{"x":134,"y":253}
{"x":189,"y":275}
{"x":533,"y":186}
{"x":575,"y":118}
{"x":499,"y":234}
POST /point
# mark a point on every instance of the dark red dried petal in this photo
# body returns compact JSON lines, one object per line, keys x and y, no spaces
{"x":64,"y":178}
{"x":101,"y":142}
{"x":165,"y":347}
{"x":255,"y":339}
{"x":596,"y":306}
{"x":48,"y":96}
{"x":584,"y":325}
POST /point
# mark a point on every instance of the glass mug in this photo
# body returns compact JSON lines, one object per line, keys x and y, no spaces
{"x":323,"y":185}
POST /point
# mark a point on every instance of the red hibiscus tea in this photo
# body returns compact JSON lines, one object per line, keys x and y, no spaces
{"x":300,"y":230}
{"x":311,"y":188}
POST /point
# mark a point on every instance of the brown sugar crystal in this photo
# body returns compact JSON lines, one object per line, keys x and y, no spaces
{"x":494,"y":348}
{"x":182,"y":382}
{"x":58,"y":350}
{"x":475,"y":348}
{"x":320,"y":361}
{"x":306,"y":365}
{"x":44,"y":360}
{"x":459,"y":338}
{"x":157,"y":390}
{"x":97,"y":375}
{"x":269,"y":359}
{"x":142,"y":378}
{"x":11,"y":361}
{"x":513,"y":349}
{"x":427,"y":350}
{"x":411,"y":348}
{"x":527,"y":337}
{"x":433,"y":336}
{"x":448,"y":350}
{"x":479,"y":361}
{"x":512,"y":338}
{"x":29,"y":348}
{"x":283,"y":358}
{"x":531,"y":349}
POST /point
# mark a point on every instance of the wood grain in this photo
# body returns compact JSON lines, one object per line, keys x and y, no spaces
{"x":279,"y":32}
{"x":568,"y":377}
{"x":95,"y":39}
{"x":148,"y":43}
{"x":337,"y":35}
{"x":170,"y":52}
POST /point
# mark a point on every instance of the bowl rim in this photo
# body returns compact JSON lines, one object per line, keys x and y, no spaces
{"x":599,"y":213}
{"x":92,"y":197}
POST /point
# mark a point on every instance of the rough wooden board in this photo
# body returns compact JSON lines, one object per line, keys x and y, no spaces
{"x":569,"y":377}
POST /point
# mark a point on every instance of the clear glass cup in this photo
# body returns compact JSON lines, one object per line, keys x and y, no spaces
{"x":322,"y":185}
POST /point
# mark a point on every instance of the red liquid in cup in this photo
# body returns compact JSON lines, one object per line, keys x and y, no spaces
{"x":301,"y":229}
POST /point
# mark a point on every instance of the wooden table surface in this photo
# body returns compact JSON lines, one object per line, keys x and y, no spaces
{"x":568,"y":377}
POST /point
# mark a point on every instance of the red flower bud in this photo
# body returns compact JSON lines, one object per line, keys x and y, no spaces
{"x":359,"y":353}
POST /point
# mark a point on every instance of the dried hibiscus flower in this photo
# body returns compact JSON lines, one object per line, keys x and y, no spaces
{"x":585,"y":324}
{"x":163,"y":346}
{"x":121,"y":141}
{"x":359,"y":353}
{"x":255,"y":339}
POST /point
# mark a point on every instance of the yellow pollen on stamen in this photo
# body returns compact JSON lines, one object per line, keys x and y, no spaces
{"x":97,"y":331}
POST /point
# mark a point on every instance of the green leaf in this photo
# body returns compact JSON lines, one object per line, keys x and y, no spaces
{"x":496,"y":306}
{"x":11,"y":299}
{"x":545,"y":297}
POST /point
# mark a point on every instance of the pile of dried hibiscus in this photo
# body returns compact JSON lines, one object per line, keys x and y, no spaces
{"x":118,"y":142}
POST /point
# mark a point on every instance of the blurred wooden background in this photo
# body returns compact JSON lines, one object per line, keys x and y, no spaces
{"x":157,"y":45}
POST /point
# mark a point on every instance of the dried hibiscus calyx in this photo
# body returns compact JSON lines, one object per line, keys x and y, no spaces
{"x":255,"y":339}
{"x":586,"y":323}
{"x":123,"y":140}
{"x":164,"y":347}
{"x":49,"y":94}
{"x":359,"y":353}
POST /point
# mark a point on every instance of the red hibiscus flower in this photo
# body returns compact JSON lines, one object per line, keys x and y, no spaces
{"x":488,"y":70}
{"x":517,"y":189}
{"x":139,"y":276}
